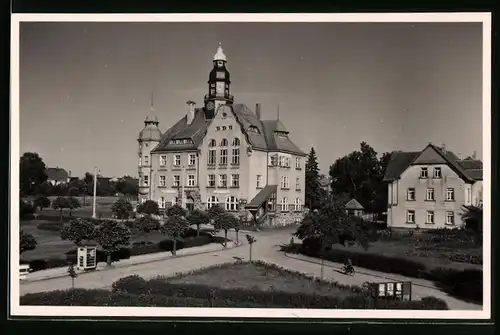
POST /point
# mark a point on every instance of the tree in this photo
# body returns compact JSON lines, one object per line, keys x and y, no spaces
{"x":251,"y":240}
{"x":44,"y":188}
{"x":122,"y":208}
{"x":73,"y":204}
{"x":147,"y":224}
{"x":72,"y":274}
{"x":312,"y":182}
{"x":331,"y":225}
{"x":472,"y":217}
{"x":198,"y":217}
{"x":214,"y":212}
{"x":78,"y":230}
{"x":25,"y":209}
{"x":174,"y":227}
{"x":176,"y":210}
{"x":60,"y":204}
{"x":42,"y":202}
{"x":360,"y":175}
{"x":148,"y":207}
{"x":237,"y":226}
{"x":26,"y":242}
{"x":112,"y":236}
{"x":225,"y":221}
{"x":31,"y":172}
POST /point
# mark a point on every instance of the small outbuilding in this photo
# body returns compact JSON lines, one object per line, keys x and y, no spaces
{"x":353,"y":207}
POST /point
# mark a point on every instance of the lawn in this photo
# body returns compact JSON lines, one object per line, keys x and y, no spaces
{"x":258,"y":277}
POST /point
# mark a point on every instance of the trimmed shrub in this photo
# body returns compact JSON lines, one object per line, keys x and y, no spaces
{"x":43,"y":264}
{"x":51,"y":226}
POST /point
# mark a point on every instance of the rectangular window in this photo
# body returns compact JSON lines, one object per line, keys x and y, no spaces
{"x":190,"y":180}
{"x":211,"y":157}
{"x":235,"y":180}
{"x":146,"y":160}
{"x":259,"y":181}
{"x":284,"y":182}
{"x":235,"y":157}
{"x":298,"y":205}
{"x":177,"y":181}
{"x":177,"y":160}
{"x":410,"y":216}
{"x":211,"y":180}
{"x":468,"y":197}
{"x":192,"y":159}
{"x":410,"y":195}
{"x":223,"y":156}
{"x":273,"y":160}
{"x":284,"y":204}
{"x":450,"y":194}
{"x":297,"y":163}
{"x":423,"y":172}
{"x":163,"y":160}
{"x":145,"y":180}
{"x":287,"y":161}
{"x":140,"y":161}
{"x":430,"y":217}
{"x":163,"y":181}
{"x":223,"y":180}
{"x":430,"y":194}
{"x":297,"y":184}
{"x":450,"y":218}
{"x":437,"y":173}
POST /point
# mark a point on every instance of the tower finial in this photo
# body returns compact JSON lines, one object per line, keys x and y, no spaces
{"x":152,"y":102}
{"x":220,"y":53}
{"x":278,"y":116}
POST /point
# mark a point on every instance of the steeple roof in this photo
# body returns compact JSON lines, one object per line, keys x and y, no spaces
{"x":219,"y":55}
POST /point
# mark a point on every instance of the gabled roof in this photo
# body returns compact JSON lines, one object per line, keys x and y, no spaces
{"x":56,"y":174}
{"x":400,"y":161}
{"x":261,"y":134}
{"x":354,"y":204}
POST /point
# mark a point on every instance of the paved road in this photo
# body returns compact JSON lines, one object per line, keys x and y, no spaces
{"x":266,"y":249}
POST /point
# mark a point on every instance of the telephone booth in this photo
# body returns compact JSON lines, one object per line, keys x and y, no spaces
{"x":86,"y":258}
{"x":24,"y":270}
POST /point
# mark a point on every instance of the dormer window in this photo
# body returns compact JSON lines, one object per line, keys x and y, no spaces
{"x":281,"y":134}
{"x":253,"y":129}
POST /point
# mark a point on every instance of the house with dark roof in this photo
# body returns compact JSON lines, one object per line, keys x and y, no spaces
{"x":57,"y":176}
{"x":428,"y":188}
{"x":223,"y":153}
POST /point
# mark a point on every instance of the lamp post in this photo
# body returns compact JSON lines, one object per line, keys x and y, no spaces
{"x":183,"y":177}
{"x":95,"y":193}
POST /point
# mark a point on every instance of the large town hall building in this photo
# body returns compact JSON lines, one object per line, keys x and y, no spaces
{"x":223,"y":153}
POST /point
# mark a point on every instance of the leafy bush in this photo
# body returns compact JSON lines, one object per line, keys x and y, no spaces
{"x":26,"y":210}
{"x":43,"y":264}
{"x":51,"y":226}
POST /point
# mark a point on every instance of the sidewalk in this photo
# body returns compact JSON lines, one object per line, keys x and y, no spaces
{"x":135,"y":260}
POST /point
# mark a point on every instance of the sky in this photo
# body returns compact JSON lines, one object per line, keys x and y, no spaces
{"x":85,"y":88}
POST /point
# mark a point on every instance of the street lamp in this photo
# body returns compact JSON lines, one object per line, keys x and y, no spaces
{"x":95,"y":192}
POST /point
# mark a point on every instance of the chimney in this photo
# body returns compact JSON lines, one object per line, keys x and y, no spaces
{"x":69,"y":173}
{"x":474,"y":154}
{"x":190,"y":113}
{"x":257,"y":110}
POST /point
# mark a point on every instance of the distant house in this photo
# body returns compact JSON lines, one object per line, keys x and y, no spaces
{"x":427,"y":189}
{"x":353,"y":207}
{"x":57,"y":176}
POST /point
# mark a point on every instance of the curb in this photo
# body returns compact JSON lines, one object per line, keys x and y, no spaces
{"x":360,"y":272}
{"x":27,"y":280}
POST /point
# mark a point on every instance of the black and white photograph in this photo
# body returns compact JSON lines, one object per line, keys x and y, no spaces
{"x":244,"y":165}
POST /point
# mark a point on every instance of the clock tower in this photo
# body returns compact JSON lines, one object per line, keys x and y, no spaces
{"x":218,"y":83}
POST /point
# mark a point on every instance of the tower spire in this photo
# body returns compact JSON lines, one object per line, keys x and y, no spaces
{"x":219,"y":55}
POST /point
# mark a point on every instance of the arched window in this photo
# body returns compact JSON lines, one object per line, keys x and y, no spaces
{"x":212,"y":143}
{"x":231,"y":203}
{"x":223,"y":143}
{"x":212,"y":201}
{"x":236,"y":142}
{"x":298,"y":205}
{"x":217,"y":128}
{"x":161,"y":202}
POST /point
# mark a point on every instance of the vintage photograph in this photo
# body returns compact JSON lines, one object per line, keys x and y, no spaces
{"x":211,"y":166}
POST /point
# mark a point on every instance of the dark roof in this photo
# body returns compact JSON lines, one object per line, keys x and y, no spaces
{"x":262,"y":196}
{"x":265,"y":138}
{"x":56,"y":174}
{"x":400,"y":161}
{"x":353,"y":204}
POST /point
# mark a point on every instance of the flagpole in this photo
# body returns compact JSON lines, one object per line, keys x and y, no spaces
{"x":95,"y":193}
{"x":183,"y":200}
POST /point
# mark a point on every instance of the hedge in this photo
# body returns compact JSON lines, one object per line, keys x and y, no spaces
{"x":215,"y":298}
{"x":465,"y":284}
{"x":124,"y":253}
